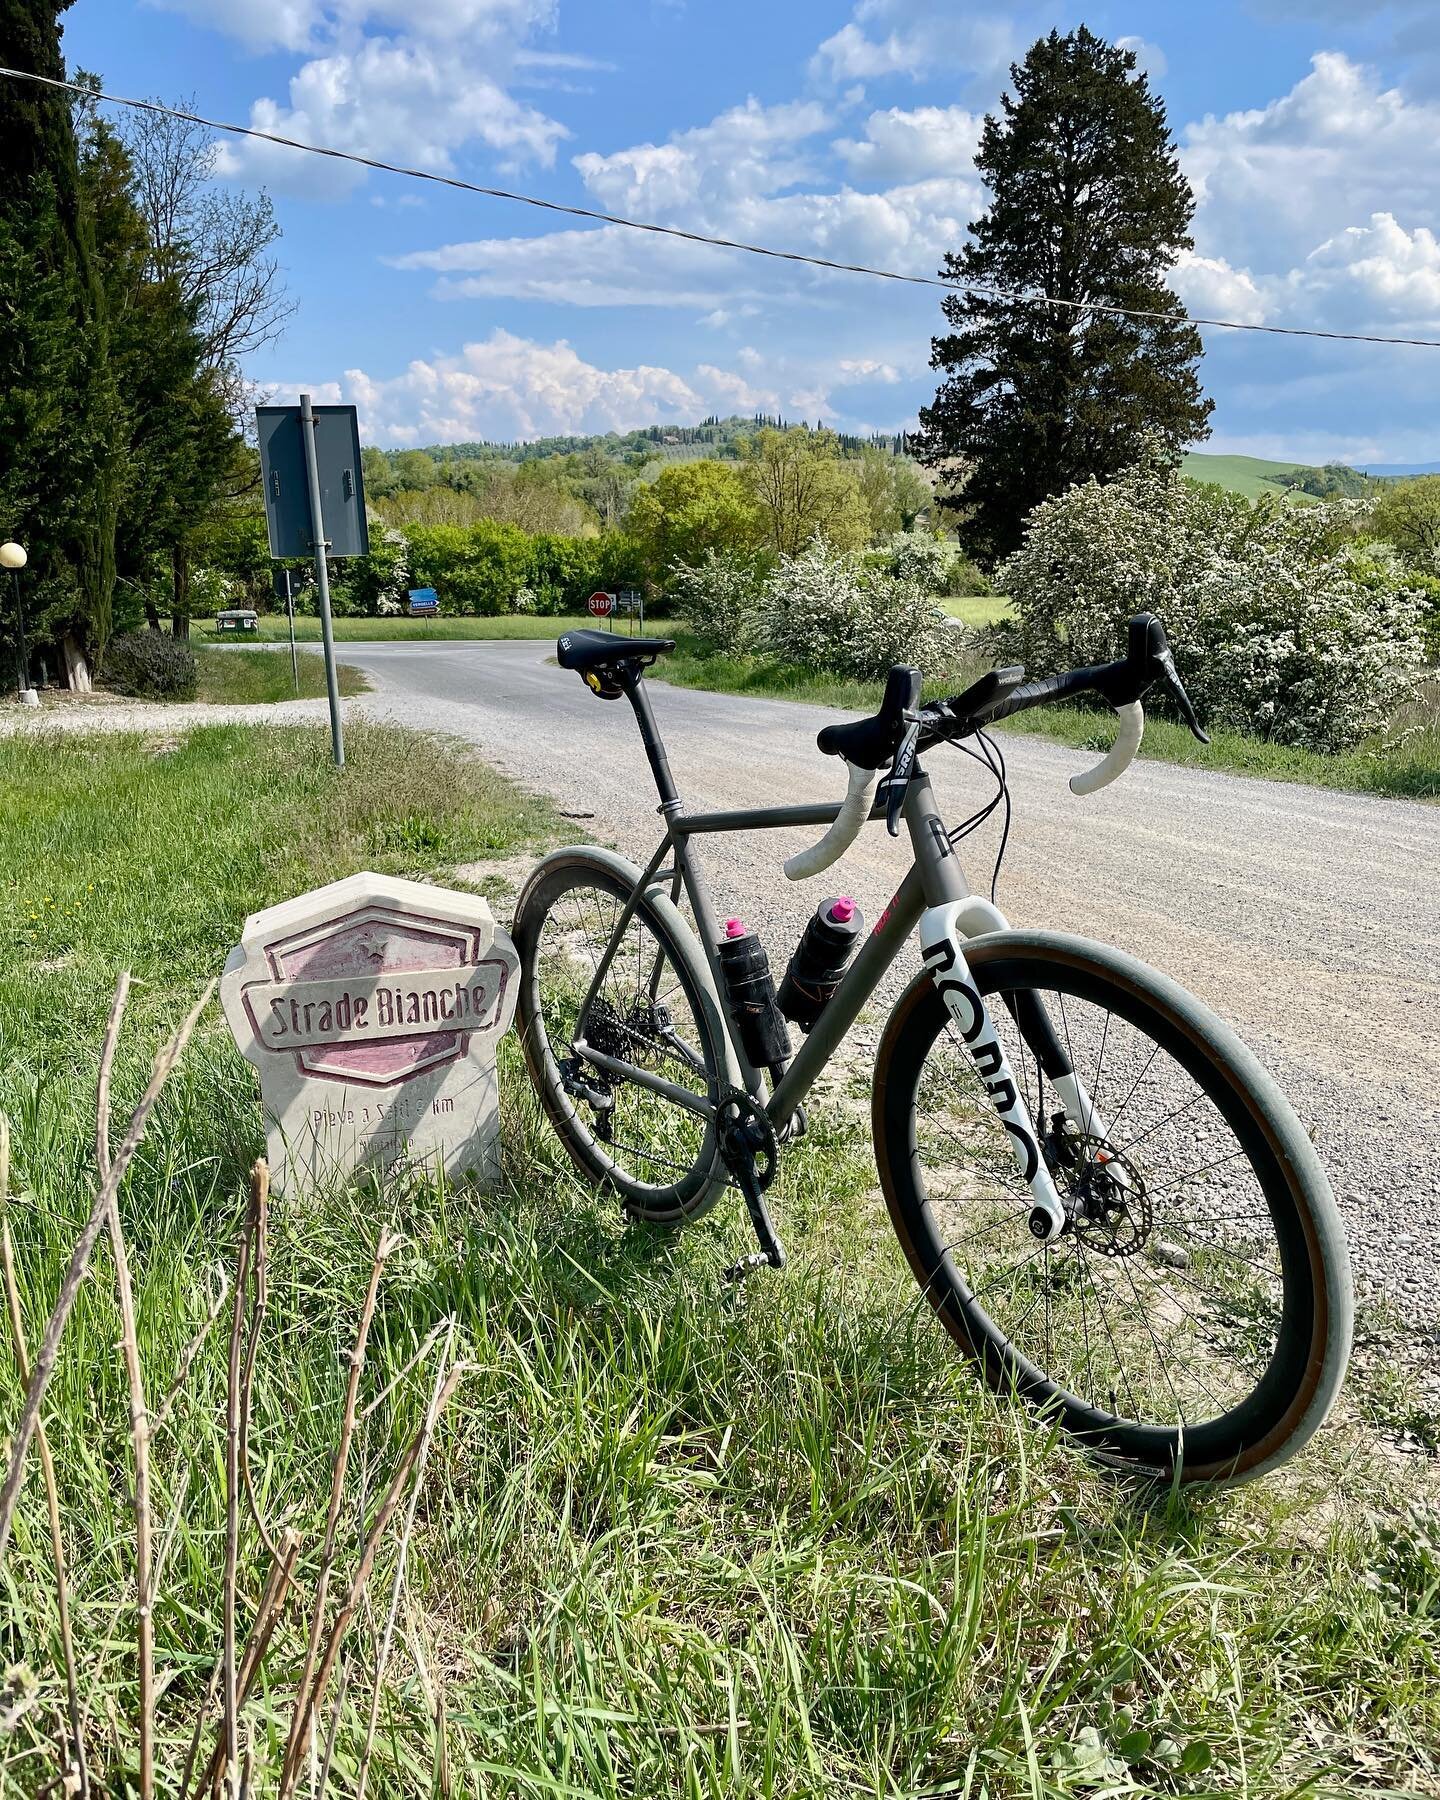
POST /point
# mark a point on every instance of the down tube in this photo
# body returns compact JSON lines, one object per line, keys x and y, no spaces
{"x":865,"y":974}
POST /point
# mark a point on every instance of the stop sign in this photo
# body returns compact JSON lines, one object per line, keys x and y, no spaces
{"x":601,"y":605}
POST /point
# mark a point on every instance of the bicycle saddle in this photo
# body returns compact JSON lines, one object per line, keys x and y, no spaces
{"x":596,"y":655}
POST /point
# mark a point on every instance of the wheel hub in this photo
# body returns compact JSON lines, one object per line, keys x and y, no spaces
{"x":1109,"y":1209}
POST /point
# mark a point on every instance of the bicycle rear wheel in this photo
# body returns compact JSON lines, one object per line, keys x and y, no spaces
{"x":1194,"y":1319}
{"x":653,"y":1010}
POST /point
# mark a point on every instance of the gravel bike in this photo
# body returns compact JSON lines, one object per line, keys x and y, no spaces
{"x":1109,"y":1204}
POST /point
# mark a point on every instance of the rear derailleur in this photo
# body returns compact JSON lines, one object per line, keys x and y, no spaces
{"x":746,"y":1138}
{"x":582,"y":1082}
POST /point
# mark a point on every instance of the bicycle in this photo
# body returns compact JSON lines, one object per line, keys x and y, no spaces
{"x":1110,"y":1206}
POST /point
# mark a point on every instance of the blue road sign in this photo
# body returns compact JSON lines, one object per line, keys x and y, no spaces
{"x":424,"y":600}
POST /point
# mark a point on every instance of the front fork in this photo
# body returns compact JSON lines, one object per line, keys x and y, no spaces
{"x":943,"y":929}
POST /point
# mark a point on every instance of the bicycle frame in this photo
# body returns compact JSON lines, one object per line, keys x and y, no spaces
{"x":933,"y":896}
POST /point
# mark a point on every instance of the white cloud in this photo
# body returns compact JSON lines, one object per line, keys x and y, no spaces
{"x":900,"y":145}
{"x":506,"y":387}
{"x":1151,"y":58}
{"x":728,"y":315}
{"x":403,"y":80}
{"x":1212,"y":289}
{"x":397,"y":100}
{"x":560,"y":59}
{"x":607,"y":266}
{"x":857,"y":369}
{"x":1275,"y":181}
{"x":906,"y":228}
{"x":917,"y":38}
{"x":1380,"y":268}
{"x":749,"y":149}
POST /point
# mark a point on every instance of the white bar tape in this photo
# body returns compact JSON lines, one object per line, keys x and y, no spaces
{"x":854,"y":811}
{"x":1121,"y":753}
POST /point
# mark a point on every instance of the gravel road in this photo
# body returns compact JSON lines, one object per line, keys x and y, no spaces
{"x":1306,"y":918}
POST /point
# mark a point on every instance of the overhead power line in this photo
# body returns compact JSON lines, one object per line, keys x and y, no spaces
{"x":1014,"y":296}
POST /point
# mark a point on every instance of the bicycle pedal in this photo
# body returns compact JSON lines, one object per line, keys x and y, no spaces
{"x":758,"y":1259}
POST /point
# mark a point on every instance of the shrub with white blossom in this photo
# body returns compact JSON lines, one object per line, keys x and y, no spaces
{"x":827,"y":610}
{"x":721,"y":601}
{"x":1283,"y":624}
{"x":921,"y":557}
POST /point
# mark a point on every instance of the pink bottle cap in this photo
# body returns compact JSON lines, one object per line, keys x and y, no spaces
{"x":843,"y":911}
{"x":734,"y":928}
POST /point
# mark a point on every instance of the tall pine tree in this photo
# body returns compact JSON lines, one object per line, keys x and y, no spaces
{"x":1087,"y":204}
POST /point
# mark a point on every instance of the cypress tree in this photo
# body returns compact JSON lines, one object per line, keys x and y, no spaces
{"x":61,"y":467}
{"x":1087,"y":204}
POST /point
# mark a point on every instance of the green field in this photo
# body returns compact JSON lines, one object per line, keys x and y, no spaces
{"x":978,"y":609}
{"x":275,"y":629}
{"x":669,"y":1543}
{"x":1251,"y":476}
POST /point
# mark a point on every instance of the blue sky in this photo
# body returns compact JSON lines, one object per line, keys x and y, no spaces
{"x":840,"y":127}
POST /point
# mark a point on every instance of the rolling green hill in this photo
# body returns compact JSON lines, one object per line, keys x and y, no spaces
{"x":1254,"y":476}
{"x":1248,"y":475}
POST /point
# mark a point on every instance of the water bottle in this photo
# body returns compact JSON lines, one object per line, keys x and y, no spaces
{"x":820,"y":960}
{"x":750,"y":988}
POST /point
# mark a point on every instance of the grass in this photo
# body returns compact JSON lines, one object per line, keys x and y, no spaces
{"x":1403,"y":761}
{"x":275,"y":628}
{"x":672,"y":1541}
{"x":249,"y":677}
{"x":1251,"y":476}
{"x":978,"y":609}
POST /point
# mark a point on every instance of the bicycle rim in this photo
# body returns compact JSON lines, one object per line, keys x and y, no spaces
{"x":1185,"y":1319}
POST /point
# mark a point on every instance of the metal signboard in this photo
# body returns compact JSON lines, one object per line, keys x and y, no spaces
{"x":287,"y":494}
{"x":601,"y":605}
{"x":424,"y":600}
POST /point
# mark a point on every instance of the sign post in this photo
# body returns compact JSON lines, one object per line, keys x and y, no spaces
{"x":631,"y":601}
{"x":602,"y":606}
{"x":285,"y":595}
{"x":314,"y":505}
{"x":322,"y":575}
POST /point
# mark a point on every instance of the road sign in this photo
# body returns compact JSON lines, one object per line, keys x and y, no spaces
{"x":601,"y":605}
{"x":287,"y":496}
{"x":423,"y":601}
{"x":314,"y":506}
{"x":628,"y":600}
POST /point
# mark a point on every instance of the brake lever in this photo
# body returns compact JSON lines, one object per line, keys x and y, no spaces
{"x":1177,"y":689}
{"x":898,"y":779}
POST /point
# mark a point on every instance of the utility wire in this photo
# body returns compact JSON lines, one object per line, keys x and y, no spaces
{"x":1015,"y":296}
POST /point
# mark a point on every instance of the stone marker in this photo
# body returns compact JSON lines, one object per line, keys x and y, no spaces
{"x":372,"y":1009}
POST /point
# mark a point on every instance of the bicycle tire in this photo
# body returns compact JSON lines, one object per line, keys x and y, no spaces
{"x":1312,"y":1337}
{"x":699,"y":1177}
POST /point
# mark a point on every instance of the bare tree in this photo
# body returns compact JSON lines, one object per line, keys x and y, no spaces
{"x":216,"y":242}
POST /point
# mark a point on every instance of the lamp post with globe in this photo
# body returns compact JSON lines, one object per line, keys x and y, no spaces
{"x":14,"y":558}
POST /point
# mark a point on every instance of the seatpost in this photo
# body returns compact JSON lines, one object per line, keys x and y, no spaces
{"x":633,"y":682}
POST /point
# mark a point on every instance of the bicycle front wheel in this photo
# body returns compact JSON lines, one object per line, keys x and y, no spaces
{"x":1194,"y":1319}
{"x":651,"y":1011}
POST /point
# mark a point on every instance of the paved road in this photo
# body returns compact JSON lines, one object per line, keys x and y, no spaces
{"x":1307,"y":918}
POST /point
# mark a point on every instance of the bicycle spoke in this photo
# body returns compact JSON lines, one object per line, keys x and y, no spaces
{"x":639,"y":1014}
{"x":1170,"y":1348}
